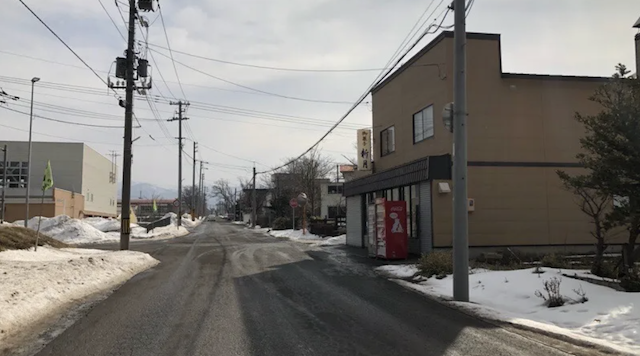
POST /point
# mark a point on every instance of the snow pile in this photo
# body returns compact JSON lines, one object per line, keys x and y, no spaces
{"x":297,"y":235}
{"x":104,"y":225}
{"x":398,"y":271}
{"x":99,"y":230}
{"x":159,"y":233}
{"x":609,"y":317}
{"x":38,"y":285}
{"x":68,"y":230}
{"x":334,"y":241}
{"x":186,"y":220}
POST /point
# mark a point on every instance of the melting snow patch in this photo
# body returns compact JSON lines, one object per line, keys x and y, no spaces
{"x":608,"y":318}
{"x":48,"y":282}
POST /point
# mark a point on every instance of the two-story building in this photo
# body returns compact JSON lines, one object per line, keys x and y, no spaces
{"x":521,"y":130}
{"x":84,"y":181}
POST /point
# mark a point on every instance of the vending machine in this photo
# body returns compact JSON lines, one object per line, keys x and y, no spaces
{"x":388,"y":229}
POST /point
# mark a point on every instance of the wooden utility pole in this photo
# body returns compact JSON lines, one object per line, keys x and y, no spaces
{"x":181,"y":104}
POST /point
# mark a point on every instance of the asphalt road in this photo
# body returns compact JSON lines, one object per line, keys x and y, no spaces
{"x":225,"y":290}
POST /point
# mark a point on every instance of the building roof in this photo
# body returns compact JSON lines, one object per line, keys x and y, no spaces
{"x":482,"y":36}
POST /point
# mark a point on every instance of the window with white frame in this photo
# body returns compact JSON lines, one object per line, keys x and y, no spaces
{"x":387,"y":141}
{"x":17,"y":174}
{"x":423,"y":124}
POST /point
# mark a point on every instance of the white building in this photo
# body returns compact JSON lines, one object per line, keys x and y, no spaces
{"x":332,"y":203}
{"x":84,"y":180}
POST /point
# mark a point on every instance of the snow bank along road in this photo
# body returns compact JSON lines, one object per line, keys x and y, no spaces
{"x":225,"y":290}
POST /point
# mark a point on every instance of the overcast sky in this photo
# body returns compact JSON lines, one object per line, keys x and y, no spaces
{"x":236,"y":125}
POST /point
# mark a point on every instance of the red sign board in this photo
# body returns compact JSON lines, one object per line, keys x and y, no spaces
{"x":293,"y":202}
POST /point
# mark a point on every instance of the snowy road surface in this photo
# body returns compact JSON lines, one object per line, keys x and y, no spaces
{"x":225,"y":290}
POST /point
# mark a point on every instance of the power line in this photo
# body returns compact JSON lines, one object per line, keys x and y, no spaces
{"x":62,"y":121}
{"x":166,"y":36}
{"x":65,"y":44}
{"x":362,"y":97}
{"x":195,"y":105}
{"x":112,"y":21}
{"x":248,"y":87}
{"x":269,"y":67}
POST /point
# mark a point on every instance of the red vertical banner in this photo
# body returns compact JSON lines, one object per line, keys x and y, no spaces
{"x":396,"y":230}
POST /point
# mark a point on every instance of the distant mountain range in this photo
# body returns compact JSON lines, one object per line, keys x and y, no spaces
{"x":147,"y":191}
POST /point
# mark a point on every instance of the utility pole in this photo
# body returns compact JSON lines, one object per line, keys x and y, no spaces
{"x":4,"y":181}
{"x":28,"y":183}
{"x":193,"y":184}
{"x":200,"y":190}
{"x":460,"y":198}
{"x":203,"y":209}
{"x":235,"y":204}
{"x":114,"y":156}
{"x":254,"y":203}
{"x":125,"y":223}
{"x":180,"y":118}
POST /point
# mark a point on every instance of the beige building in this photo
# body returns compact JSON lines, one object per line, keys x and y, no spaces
{"x":84,"y":181}
{"x":521,"y":129}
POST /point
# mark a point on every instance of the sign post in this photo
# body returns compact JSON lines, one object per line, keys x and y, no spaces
{"x":293,"y":203}
{"x":302,"y":200}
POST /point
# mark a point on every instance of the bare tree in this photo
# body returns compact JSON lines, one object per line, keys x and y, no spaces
{"x":187,"y":199}
{"x":595,"y":203}
{"x":223,"y":191}
{"x":302,"y":176}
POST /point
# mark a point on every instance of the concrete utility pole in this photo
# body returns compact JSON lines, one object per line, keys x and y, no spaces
{"x":254,"y":203}
{"x":180,"y":118}
{"x":125,"y":216}
{"x":4,"y":181}
{"x":28,"y":184}
{"x":193,"y":184}
{"x":460,"y":199}
{"x":235,"y":204}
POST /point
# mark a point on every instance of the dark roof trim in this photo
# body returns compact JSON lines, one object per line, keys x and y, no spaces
{"x":554,"y":77}
{"x":423,"y":169}
{"x":431,"y":45}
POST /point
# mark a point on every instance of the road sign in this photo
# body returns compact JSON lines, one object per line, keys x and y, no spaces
{"x":176,"y":203}
{"x":293,"y":202}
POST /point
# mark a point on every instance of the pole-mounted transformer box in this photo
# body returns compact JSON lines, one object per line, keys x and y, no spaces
{"x":145,"y":5}
{"x":121,"y":67}
{"x":143,"y":68}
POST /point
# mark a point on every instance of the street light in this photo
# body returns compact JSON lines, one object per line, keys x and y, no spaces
{"x":28,"y":184}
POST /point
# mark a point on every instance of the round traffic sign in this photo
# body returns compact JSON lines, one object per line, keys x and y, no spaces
{"x":293,"y":203}
{"x":176,"y":203}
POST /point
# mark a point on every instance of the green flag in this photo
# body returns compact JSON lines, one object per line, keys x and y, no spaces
{"x":47,"y":181}
{"x":155,"y":206}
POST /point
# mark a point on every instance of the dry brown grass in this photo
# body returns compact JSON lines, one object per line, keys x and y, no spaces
{"x":16,"y":238}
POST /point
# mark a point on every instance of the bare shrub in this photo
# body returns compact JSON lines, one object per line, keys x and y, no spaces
{"x":553,"y":298}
